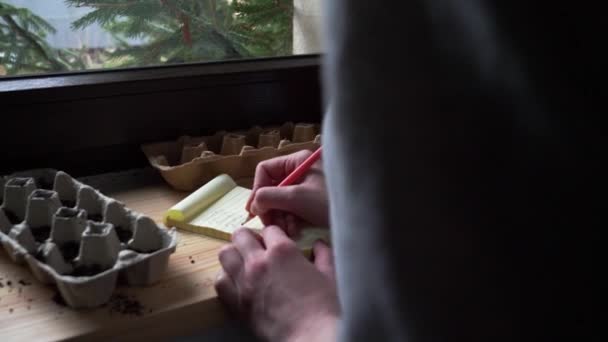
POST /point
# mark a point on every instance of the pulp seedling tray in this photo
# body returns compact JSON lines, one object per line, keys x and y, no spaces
{"x":73,"y":236}
{"x":189,"y":162}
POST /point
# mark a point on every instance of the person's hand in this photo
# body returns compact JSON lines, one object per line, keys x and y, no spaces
{"x":287,"y":205}
{"x":267,"y":280}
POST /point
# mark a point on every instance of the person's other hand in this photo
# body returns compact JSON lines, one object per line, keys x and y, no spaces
{"x":307,"y":200}
{"x":267,"y":280}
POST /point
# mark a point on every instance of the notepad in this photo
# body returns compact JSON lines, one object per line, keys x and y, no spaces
{"x":217,"y":209}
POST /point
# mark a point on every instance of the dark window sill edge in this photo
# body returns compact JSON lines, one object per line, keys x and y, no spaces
{"x":162,"y":72}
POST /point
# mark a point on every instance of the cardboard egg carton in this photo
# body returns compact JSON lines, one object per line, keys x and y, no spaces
{"x":71,"y":235}
{"x":189,"y":162}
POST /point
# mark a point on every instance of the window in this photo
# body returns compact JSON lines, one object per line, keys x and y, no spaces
{"x":63,"y":116}
{"x":57,"y":36}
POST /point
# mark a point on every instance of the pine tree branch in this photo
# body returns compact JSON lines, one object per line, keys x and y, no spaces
{"x":184,"y":19}
{"x":228,"y":45}
{"x":186,"y":30}
{"x":117,"y":4}
{"x":214,"y":12}
{"x":35,"y":44}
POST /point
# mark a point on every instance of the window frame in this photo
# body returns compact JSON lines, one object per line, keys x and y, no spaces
{"x":95,"y":121}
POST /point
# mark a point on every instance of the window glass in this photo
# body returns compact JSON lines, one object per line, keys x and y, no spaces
{"x":48,"y":36}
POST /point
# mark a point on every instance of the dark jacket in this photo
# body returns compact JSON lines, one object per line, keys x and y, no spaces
{"x":462,"y":151}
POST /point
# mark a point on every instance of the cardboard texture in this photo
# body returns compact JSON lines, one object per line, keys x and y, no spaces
{"x":71,"y":235}
{"x":189,"y":162}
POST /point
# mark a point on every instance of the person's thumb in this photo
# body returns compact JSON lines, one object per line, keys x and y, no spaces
{"x":324,"y":259}
{"x":275,"y":198}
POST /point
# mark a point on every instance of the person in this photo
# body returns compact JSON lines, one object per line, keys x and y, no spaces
{"x":249,"y":260}
{"x":461,"y":143}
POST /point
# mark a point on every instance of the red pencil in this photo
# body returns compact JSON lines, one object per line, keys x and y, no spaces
{"x":301,"y":169}
{"x":298,"y":172}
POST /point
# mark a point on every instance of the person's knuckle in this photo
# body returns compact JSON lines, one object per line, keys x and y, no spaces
{"x":282,"y":249}
{"x":262,"y":194}
{"x":267,"y":164}
{"x":224,"y":251}
{"x":303,"y":153}
{"x":270,"y":230}
{"x":293,"y":194}
{"x":256,"y":268}
{"x":260,"y":167}
{"x":238,"y":233}
{"x":221,"y":283}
